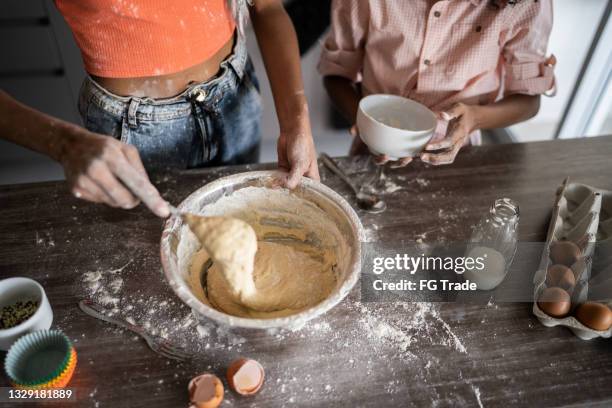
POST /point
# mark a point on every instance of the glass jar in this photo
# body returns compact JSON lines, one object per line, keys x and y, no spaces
{"x":493,"y":244}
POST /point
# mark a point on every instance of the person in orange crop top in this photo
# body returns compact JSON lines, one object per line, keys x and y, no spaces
{"x":173,"y":85}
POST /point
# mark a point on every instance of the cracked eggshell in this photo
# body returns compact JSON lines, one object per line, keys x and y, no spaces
{"x":205,"y":391}
{"x":245,"y":376}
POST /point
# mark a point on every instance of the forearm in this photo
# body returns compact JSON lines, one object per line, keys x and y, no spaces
{"x":279,"y":48}
{"x":508,"y":111}
{"x":344,"y":96}
{"x":32,"y":129}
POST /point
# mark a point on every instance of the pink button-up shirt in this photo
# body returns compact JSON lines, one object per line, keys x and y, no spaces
{"x":441,"y":52}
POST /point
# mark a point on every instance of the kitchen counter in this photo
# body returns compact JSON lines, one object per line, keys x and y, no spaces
{"x":358,"y":354}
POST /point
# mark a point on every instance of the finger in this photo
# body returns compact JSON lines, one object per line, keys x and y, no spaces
{"x":313,"y":171}
{"x":448,"y":115}
{"x":449,"y":140}
{"x":441,"y":158}
{"x":448,"y":122}
{"x":453,"y":113}
{"x":86,"y":195}
{"x":357,"y":147}
{"x":403,"y":162}
{"x":86,"y":189}
{"x":354,"y":131}
{"x":140,"y":186}
{"x":382,"y":159}
{"x":443,"y":144}
{"x":100,"y":173}
{"x":295,"y":175}
{"x":281,"y":154}
{"x":131,"y":153}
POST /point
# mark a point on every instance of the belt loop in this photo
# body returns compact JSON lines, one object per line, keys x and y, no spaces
{"x":131,"y":113}
{"x":239,"y":58}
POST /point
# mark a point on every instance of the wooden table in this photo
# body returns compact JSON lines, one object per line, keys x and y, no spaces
{"x":371,"y":355}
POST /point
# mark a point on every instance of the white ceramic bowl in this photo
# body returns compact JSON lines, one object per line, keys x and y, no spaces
{"x":16,"y":289}
{"x":395,"y":126}
{"x":174,"y":245}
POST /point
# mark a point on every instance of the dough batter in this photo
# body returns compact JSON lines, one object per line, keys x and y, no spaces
{"x":232,"y":244}
{"x":261,"y":280}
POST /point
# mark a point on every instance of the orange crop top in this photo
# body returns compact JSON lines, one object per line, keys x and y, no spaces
{"x":136,"y":38}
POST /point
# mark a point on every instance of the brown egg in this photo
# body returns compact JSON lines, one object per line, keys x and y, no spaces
{"x":205,"y":391}
{"x":597,"y":316}
{"x":554,"y":302}
{"x":245,"y":376}
{"x":564,"y":252}
{"x":560,"y":276}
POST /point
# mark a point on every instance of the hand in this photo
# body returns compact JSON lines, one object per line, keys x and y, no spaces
{"x":359,"y":147}
{"x":297,"y":154}
{"x":461,"y":122}
{"x":103,"y":170}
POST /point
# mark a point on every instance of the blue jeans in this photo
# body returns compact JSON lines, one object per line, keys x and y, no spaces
{"x":212,"y":123}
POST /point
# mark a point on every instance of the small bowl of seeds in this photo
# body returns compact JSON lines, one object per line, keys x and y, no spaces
{"x":24,"y":308}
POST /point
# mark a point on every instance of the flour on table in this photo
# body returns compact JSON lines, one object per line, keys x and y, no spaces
{"x":423,"y":322}
{"x":45,"y":239}
{"x":391,"y":187}
{"x":477,"y":394}
{"x":164,"y":316}
{"x":422,"y":182}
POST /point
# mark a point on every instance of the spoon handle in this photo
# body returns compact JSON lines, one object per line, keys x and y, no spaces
{"x":174,"y":211}
{"x":331,"y":165}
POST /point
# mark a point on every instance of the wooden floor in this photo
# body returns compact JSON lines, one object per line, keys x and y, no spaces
{"x":357,"y":355}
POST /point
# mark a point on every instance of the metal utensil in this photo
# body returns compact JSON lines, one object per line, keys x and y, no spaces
{"x":158,"y":344}
{"x":174,"y":211}
{"x":366,"y":201}
{"x":375,"y":183}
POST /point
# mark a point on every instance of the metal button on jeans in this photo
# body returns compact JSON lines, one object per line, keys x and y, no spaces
{"x":200,"y":95}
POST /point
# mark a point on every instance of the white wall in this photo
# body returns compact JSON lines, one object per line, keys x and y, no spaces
{"x":327,"y":140}
{"x":574,"y":26}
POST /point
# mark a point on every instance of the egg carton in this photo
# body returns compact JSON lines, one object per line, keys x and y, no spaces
{"x":583,"y":215}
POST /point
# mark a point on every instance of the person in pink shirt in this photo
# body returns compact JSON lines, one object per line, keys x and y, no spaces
{"x":481,"y":63}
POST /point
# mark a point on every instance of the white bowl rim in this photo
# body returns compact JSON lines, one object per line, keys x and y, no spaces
{"x":402,"y":100}
{"x":181,"y":289}
{"x":16,"y":329}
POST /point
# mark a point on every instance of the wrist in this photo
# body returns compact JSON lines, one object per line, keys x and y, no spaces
{"x":296,"y":124}
{"x":475,"y":116}
{"x":61,"y":140}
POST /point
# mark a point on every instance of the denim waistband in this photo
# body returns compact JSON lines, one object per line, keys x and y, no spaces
{"x":209,"y":93}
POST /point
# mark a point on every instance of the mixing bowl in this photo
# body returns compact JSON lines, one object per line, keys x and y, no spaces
{"x":178,"y":244}
{"x":395,"y":126}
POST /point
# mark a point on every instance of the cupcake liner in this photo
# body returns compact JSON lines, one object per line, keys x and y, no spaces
{"x":42,"y":359}
{"x":60,"y":381}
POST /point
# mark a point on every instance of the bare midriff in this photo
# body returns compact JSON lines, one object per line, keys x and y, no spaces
{"x":167,"y":86}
